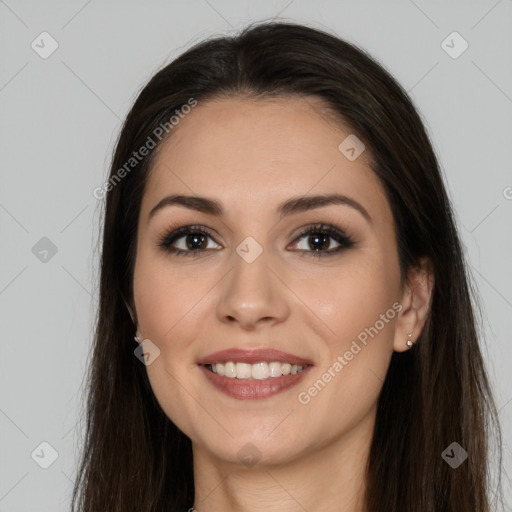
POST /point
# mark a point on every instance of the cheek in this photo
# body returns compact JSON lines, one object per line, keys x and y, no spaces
{"x":346,"y":300}
{"x":355,"y":305}
{"x":168,"y":309}
{"x":165,"y":298}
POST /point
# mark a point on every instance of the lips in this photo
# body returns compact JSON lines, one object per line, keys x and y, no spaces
{"x":253,"y":356}
{"x":252,"y":389}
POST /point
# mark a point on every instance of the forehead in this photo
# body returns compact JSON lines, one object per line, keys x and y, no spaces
{"x":259,"y":152}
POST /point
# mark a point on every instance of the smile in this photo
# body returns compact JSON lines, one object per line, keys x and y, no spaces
{"x":241,"y":386}
{"x":258,"y":371}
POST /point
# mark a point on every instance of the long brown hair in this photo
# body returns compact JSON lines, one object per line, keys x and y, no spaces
{"x":134,"y":458}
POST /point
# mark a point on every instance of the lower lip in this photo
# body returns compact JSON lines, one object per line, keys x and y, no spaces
{"x":245,"y":389}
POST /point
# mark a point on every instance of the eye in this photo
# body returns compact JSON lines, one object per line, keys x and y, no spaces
{"x":187,"y":241}
{"x":321,"y":239}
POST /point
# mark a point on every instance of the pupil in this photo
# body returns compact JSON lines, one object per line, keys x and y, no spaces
{"x":322,"y":239}
{"x":195,"y":238}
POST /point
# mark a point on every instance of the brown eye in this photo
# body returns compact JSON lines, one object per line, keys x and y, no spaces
{"x":318,"y":242}
{"x":323,"y":240}
{"x":188,"y":241}
{"x":195,"y":241}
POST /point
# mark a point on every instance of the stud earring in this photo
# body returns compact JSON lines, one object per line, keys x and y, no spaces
{"x":409,"y":341}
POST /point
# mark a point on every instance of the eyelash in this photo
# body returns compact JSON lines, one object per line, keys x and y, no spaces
{"x":345,"y":241}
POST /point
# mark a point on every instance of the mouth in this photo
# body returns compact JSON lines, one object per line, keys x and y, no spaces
{"x":255,"y":374}
{"x":259,"y":371}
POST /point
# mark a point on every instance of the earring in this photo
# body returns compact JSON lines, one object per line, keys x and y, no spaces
{"x":138,"y":337}
{"x":409,"y":341}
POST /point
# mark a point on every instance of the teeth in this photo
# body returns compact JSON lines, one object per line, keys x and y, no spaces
{"x":243,"y":371}
{"x":230,"y":370}
{"x":275,"y":369}
{"x":258,"y":371}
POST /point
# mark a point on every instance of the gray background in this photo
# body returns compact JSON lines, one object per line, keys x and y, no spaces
{"x":59,"y":117}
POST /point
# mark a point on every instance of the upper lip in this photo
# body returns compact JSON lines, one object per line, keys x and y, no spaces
{"x":253,"y":356}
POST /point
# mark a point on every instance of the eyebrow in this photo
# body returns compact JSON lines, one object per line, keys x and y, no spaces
{"x":289,"y":207}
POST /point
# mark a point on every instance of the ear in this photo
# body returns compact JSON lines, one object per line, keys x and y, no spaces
{"x":415,"y":299}
{"x":131,"y":310}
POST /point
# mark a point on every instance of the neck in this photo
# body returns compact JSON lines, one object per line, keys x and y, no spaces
{"x":327,"y":478}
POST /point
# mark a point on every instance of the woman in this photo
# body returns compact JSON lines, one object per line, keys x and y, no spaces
{"x":279,"y":240}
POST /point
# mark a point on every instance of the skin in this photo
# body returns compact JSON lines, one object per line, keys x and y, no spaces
{"x":251,"y":155}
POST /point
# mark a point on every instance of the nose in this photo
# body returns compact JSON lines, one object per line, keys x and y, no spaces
{"x":252,"y":294}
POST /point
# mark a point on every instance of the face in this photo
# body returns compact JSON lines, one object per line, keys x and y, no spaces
{"x":317,"y":280}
